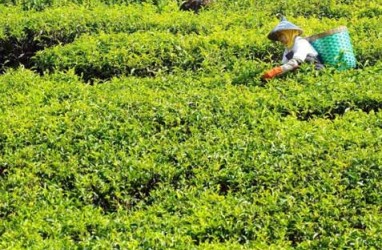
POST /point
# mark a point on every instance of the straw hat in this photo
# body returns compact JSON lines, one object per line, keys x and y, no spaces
{"x":283,"y":25}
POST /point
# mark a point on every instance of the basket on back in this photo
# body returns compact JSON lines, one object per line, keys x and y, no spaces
{"x":334,"y":48}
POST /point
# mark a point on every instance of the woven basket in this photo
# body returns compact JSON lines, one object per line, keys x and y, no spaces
{"x":334,"y":48}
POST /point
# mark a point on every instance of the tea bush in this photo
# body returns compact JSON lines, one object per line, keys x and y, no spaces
{"x":25,"y":33}
{"x":176,"y":143}
{"x":145,"y":54}
{"x":195,"y":158}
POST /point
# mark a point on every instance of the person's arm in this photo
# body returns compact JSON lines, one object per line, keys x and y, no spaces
{"x":298,"y":54}
{"x":291,"y":65}
{"x":276,"y":71}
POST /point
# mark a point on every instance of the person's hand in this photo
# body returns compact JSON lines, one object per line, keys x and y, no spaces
{"x":272,"y":73}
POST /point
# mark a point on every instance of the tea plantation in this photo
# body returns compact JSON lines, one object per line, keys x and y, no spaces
{"x":129,"y":124}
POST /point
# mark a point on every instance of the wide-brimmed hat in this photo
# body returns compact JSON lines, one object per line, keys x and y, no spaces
{"x":283,"y":25}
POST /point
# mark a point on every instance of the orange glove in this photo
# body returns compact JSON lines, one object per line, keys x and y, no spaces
{"x":272,"y":73}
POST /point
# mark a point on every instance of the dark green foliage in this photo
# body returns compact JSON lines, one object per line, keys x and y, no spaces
{"x":195,"y":5}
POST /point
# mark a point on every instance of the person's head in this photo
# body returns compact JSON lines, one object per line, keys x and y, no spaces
{"x":287,"y":37}
{"x":285,"y":32}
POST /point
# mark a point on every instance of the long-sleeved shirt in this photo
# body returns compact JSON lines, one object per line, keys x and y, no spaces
{"x":297,"y":54}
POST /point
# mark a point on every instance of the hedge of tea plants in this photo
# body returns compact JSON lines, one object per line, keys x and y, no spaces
{"x":23,"y":33}
{"x":133,"y":125}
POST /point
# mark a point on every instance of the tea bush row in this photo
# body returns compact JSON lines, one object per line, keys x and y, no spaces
{"x":148,"y":53}
{"x":39,"y":5}
{"x":326,"y":8}
{"x":24,"y":33}
{"x":186,"y":161}
{"x":329,"y":94}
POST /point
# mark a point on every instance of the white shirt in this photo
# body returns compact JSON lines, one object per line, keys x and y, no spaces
{"x":301,"y":48}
